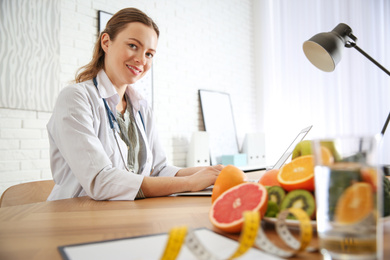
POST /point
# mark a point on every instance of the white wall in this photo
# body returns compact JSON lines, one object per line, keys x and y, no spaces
{"x":203,"y":44}
{"x":23,"y":147}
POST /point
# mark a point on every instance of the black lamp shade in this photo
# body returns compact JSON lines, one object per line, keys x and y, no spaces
{"x":324,"y":50}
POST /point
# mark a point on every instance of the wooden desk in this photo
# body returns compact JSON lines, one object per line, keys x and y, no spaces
{"x":34,"y":231}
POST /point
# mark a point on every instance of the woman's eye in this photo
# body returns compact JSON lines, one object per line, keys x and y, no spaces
{"x":149,"y":55}
{"x":133,"y":46}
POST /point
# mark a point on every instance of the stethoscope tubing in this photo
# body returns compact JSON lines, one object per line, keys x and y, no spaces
{"x":111,"y":120}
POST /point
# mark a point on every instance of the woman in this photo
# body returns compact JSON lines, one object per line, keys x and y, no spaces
{"x":91,"y":117}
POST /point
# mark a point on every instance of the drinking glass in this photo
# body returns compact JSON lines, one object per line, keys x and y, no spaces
{"x":348,"y":192}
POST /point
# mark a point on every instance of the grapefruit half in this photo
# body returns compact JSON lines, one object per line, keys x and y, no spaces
{"x":227,"y":210}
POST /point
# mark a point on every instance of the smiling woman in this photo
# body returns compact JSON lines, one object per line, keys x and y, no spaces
{"x":114,"y":26}
{"x":103,"y":140}
{"x":129,"y":54}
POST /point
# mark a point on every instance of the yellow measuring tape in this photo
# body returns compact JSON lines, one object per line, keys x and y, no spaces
{"x":175,"y":241}
{"x":248,"y":234}
{"x":251,"y":234}
{"x":306,"y":233}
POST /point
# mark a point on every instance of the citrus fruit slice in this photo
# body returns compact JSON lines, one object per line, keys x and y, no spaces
{"x":326,"y":156}
{"x":332,"y":148}
{"x":370,"y":175}
{"x":355,"y":204}
{"x":226,"y":212}
{"x":341,"y":176}
{"x":298,"y":174}
{"x":270,"y":178}
{"x":230,"y":176}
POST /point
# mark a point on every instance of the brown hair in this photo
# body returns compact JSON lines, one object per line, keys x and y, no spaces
{"x":115,"y":25}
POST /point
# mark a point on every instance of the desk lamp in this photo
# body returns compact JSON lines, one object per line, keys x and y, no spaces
{"x":324,"y":51}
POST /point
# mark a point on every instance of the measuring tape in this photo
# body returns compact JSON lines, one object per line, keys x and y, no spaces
{"x":306,"y":233}
{"x":251,"y":234}
{"x":175,"y":241}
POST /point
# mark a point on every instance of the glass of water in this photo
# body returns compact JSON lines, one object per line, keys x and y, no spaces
{"x":349,"y":201}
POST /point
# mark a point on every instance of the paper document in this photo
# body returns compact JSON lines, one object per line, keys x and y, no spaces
{"x":152,"y":247}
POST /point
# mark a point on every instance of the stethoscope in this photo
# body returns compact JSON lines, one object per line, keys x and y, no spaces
{"x":112,"y":119}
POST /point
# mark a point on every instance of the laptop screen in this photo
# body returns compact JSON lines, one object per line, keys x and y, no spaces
{"x":286,"y":155}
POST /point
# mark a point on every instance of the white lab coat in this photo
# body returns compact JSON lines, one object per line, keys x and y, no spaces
{"x":84,"y":156}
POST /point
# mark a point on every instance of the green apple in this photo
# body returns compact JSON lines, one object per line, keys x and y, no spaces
{"x":304,"y":148}
{"x":301,"y":149}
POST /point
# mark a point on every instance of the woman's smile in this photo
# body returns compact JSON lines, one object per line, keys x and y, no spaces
{"x":136,"y":71}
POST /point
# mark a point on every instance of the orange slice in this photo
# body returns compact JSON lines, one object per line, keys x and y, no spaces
{"x":298,"y":174}
{"x":370,"y":176}
{"x":326,"y":156}
{"x":355,"y":204}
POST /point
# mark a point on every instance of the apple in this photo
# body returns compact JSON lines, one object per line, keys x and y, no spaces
{"x":301,"y":149}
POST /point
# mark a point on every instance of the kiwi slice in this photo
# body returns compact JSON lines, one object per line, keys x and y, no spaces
{"x":272,"y":209}
{"x":276,"y":194}
{"x":299,"y":199}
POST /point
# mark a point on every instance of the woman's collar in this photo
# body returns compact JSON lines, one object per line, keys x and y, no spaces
{"x":136,"y":98}
{"x":107,"y":90}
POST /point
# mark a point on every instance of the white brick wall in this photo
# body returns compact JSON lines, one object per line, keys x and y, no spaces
{"x":203,"y":45}
{"x":23,"y":147}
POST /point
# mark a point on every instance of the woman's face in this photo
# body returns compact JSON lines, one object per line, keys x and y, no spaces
{"x":129,"y":56}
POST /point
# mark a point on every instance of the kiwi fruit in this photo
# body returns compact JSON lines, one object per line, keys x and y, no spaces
{"x":299,"y":199}
{"x":276,"y":194}
{"x":272,"y":209}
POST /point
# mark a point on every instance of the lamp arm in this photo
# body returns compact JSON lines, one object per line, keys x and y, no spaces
{"x":371,"y":59}
{"x":385,"y":125}
{"x":353,"y":44}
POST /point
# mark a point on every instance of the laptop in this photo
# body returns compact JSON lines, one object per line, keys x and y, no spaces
{"x":286,"y":156}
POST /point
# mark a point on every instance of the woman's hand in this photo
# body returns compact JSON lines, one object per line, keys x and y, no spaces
{"x":203,"y":178}
{"x":186,"y":179}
